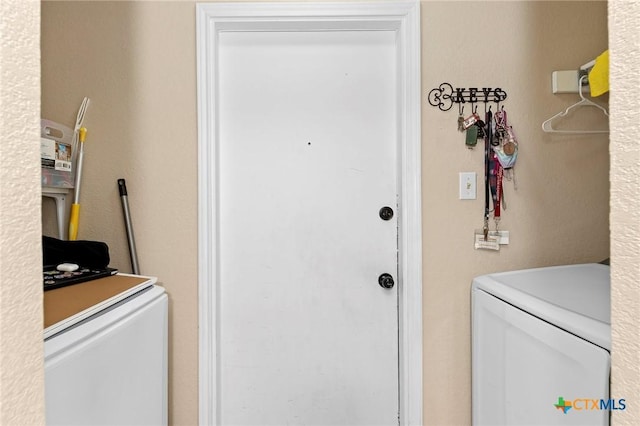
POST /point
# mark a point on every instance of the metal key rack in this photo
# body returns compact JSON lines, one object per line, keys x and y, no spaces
{"x":445,"y":95}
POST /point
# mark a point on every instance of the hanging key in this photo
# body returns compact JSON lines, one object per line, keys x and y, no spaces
{"x":460,"y":118}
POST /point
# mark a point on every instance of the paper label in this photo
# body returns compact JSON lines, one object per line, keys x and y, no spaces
{"x":55,"y":155}
{"x":491,"y":243}
{"x":501,"y":236}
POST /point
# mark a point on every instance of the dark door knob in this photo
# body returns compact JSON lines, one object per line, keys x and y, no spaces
{"x":386,"y":281}
{"x":386,"y":213}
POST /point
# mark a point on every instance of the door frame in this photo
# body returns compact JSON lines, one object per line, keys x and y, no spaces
{"x":400,"y":16}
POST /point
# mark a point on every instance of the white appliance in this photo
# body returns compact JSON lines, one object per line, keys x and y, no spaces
{"x":541,"y":338}
{"x":108,"y":364}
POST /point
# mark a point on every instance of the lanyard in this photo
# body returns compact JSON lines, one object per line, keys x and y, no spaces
{"x":495,"y":182}
{"x":497,"y":171}
{"x":487,"y":170}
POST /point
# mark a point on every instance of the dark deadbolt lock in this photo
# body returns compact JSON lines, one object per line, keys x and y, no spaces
{"x":386,"y":213}
{"x":386,"y":281}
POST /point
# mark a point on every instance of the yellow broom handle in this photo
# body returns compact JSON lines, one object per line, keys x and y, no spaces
{"x":74,"y":218}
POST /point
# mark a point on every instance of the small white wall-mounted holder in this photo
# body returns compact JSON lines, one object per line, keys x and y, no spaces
{"x":568,"y":81}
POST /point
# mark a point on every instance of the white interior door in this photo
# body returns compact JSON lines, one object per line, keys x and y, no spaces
{"x":294,"y":165}
{"x":307,"y":157}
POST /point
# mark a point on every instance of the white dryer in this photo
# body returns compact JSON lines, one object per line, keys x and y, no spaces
{"x":106,"y":353}
{"x":541,"y":342}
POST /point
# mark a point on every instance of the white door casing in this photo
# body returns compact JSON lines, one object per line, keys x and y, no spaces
{"x":228,"y":22}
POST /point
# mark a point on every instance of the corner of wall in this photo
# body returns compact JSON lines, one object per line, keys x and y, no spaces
{"x":624,"y":20}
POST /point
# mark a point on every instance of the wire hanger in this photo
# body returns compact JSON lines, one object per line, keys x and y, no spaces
{"x":547,"y":125}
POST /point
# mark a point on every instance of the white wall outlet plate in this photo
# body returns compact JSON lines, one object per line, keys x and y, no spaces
{"x":467,"y":185}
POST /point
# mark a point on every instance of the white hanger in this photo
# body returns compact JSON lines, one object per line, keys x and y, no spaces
{"x":546,"y":126}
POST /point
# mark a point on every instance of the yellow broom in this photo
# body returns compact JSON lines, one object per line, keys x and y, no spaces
{"x":75,"y":207}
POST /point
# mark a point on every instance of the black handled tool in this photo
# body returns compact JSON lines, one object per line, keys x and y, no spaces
{"x":122,"y":186}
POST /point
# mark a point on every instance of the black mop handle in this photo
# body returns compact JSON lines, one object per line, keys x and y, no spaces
{"x":122,"y":186}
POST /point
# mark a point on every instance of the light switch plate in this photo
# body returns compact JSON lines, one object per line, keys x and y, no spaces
{"x":467,"y":185}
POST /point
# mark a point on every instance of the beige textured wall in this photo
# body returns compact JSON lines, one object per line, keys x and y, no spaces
{"x":21,"y":360}
{"x":624,"y":22}
{"x":136,"y":61}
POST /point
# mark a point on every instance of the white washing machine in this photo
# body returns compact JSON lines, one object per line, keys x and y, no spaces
{"x":541,"y":342}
